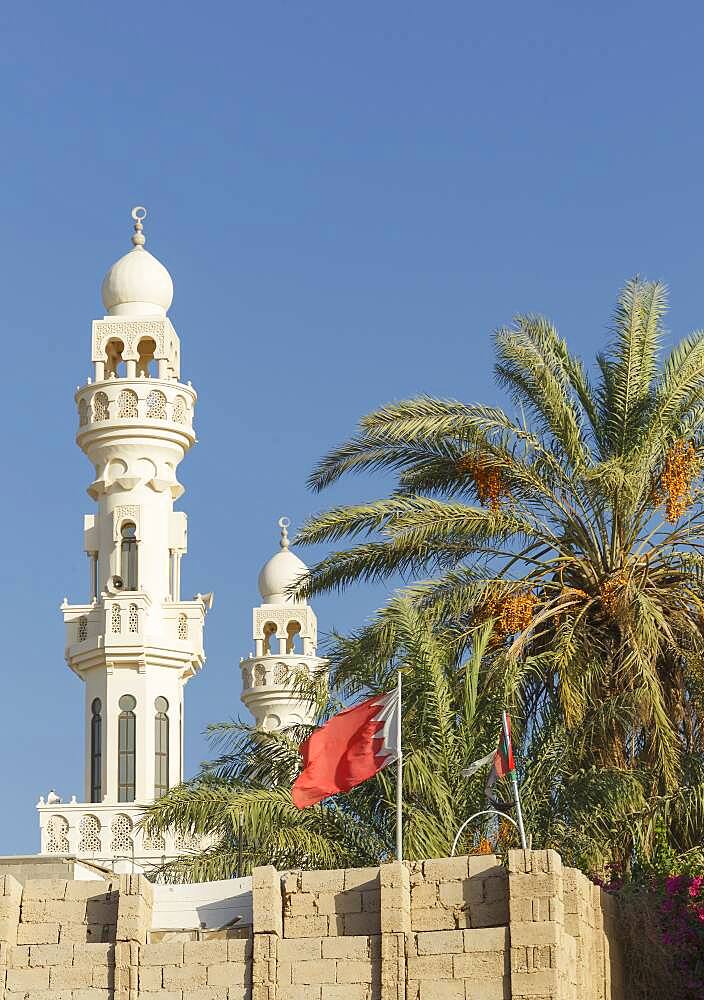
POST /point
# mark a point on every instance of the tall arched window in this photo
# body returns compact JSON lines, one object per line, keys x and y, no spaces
{"x":96,"y":751}
{"x":293,"y":631}
{"x":126,"y":749}
{"x":113,"y":357}
{"x":269,"y":636}
{"x":145,"y":349}
{"x":116,"y":618}
{"x":128,"y":556}
{"x":161,"y":747}
{"x":133,"y":618}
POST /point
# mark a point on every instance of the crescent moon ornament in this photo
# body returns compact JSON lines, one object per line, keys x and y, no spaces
{"x":139,"y":213}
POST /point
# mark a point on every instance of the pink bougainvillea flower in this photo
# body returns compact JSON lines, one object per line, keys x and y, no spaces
{"x":696,"y":886}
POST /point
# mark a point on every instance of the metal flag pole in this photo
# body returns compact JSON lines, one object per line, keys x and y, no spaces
{"x":514,"y":783}
{"x":239,"y":844}
{"x":399,"y":777}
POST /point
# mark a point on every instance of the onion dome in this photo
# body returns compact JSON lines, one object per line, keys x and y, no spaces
{"x":137,"y":284}
{"x":281,"y":572}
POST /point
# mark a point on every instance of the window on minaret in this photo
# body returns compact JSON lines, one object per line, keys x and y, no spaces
{"x":113,"y":358}
{"x":293,"y":630}
{"x":161,"y":747}
{"x":269,"y":636}
{"x":146,"y":349}
{"x":96,"y":751}
{"x":126,"y":749}
{"x":128,"y":556}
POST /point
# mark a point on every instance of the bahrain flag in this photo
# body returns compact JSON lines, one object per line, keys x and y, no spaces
{"x":348,"y":749}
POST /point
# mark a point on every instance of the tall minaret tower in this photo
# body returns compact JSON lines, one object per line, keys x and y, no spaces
{"x":134,"y":643}
{"x":285,"y":633}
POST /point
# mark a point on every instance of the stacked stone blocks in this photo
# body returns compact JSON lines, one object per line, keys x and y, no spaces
{"x":443,"y":929}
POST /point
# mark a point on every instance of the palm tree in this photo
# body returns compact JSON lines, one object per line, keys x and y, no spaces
{"x":575,"y":529}
{"x":447,"y":723}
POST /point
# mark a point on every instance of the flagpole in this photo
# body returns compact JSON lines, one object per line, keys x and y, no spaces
{"x":514,"y":783}
{"x":399,"y":778}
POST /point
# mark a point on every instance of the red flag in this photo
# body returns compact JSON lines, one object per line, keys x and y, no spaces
{"x":348,"y":749}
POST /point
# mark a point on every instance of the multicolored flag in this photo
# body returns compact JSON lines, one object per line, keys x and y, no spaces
{"x":501,"y":760}
{"x":350,"y":748}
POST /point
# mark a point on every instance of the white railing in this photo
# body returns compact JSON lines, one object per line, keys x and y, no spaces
{"x":103,"y":833}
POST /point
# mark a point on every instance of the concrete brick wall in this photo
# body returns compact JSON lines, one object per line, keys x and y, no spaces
{"x":219,"y":969}
{"x":442,"y":929}
{"x":453,"y":893}
{"x":563,"y":932}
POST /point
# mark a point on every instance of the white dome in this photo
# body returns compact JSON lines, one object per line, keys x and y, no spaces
{"x":281,"y":572}
{"x":137,"y":285}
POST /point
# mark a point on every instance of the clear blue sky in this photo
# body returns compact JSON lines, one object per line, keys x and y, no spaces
{"x":350,"y":198}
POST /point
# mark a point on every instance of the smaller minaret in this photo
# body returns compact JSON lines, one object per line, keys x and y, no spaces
{"x":285,"y":633}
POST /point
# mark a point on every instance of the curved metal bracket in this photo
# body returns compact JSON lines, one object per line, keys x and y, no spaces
{"x":483,"y":812}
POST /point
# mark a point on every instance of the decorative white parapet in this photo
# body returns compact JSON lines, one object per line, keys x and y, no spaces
{"x":104,"y":834}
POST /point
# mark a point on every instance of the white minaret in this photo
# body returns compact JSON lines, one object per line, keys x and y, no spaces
{"x":135,"y":643}
{"x":285,"y":636}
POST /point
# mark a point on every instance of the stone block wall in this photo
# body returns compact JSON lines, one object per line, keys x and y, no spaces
{"x":443,"y":929}
{"x":450,"y":893}
{"x":209,"y":969}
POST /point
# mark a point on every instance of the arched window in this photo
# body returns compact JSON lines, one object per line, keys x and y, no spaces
{"x":259,"y":675}
{"x":129,"y":569}
{"x":127,"y":404}
{"x":101,"y":407}
{"x":133,"y":618}
{"x":183,"y":627}
{"x":180,"y":410}
{"x":116,"y":618}
{"x":113,"y":357}
{"x":280,"y":674}
{"x":161,"y":747}
{"x":82,"y":628}
{"x":269,"y":633}
{"x":83,"y":413}
{"x":145,"y":349}
{"x":126,"y":749}
{"x":293,"y":629}
{"x":96,"y":751}
{"x":156,"y":405}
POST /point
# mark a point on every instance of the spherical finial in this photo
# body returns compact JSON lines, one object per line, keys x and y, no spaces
{"x":283,"y":524}
{"x":137,"y":284}
{"x":139,"y":213}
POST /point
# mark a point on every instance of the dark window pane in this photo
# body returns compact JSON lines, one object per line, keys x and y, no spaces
{"x":126,"y":753}
{"x":161,"y":752}
{"x":96,"y":754}
{"x":129,"y":563}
